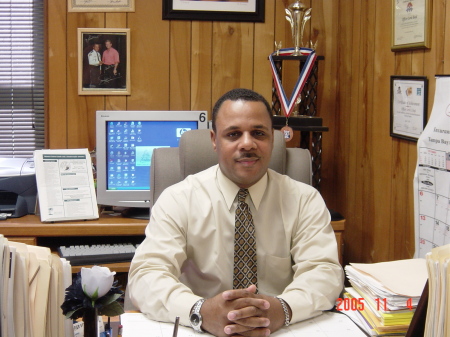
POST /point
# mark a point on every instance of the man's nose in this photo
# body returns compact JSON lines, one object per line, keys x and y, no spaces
{"x":247,"y":142}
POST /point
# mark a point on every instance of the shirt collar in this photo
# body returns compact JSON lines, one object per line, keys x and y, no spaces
{"x":229,"y":189}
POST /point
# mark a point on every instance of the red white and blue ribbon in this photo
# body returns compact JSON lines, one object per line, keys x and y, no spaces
{"x":288,"y":104}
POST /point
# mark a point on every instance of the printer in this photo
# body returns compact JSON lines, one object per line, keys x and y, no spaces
{"x":18,"y":189}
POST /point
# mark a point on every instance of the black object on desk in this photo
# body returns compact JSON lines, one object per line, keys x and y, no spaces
{"x":417,"y":325}
{"x":175,"y":327}
{"x":335,"y":216}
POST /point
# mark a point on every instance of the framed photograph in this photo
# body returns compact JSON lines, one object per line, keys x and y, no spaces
{"x":103,"y":61}
{"x":409,"y":97}
{"x":214,"y":10}
{"x":100,"y":5}
{"x":411,"y":24}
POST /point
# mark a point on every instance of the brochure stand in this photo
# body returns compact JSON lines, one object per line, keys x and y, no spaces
{"x":65,"y":185}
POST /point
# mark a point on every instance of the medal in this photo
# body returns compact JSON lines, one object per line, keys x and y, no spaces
{"x":288,"y":133}
{"x":288,"y":105}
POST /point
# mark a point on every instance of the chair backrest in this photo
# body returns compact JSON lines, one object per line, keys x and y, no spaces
{"x":195,"y":153}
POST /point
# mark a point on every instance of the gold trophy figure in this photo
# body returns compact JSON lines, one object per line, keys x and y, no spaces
{"x":297,"y":15}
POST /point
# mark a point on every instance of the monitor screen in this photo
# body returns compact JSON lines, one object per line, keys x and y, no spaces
{"x":125,"y":143}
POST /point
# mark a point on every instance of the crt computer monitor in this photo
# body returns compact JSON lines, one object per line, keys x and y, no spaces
{"x":125,"y":143}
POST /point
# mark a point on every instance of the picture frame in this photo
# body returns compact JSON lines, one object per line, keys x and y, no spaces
{"x":100,"y":6}
{"x":411,"y":24}
{"x":214,"y":10}
{"x":99,"y":73}
{"x":409,"y":99}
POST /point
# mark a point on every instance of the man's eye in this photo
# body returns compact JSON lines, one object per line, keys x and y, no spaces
{"x":233,"y":134}
{"x":259,"y":133}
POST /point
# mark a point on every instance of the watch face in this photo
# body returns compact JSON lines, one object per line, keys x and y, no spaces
{"x":195,"y":320}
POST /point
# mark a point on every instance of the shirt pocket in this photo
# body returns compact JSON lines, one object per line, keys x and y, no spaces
{"x":276,"y":273}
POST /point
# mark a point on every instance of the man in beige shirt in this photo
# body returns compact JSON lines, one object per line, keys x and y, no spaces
{"x":184,"y":267}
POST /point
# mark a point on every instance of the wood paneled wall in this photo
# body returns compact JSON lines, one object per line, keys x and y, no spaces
{"x":187,"y":65}
{"x":374,"y":185}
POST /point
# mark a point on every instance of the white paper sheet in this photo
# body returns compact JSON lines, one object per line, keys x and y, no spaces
{"x":402,"y":277}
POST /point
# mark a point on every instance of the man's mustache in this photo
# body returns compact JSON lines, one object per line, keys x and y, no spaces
{"x":248,"y":155}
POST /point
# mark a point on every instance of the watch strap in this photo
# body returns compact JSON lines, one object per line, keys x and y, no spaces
{"x":196,"y":310}
{"x":196,"y":307}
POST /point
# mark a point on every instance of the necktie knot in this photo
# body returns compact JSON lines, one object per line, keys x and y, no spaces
{"x":242,"y":194}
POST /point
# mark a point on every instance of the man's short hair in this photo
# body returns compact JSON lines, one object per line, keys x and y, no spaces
{"x":236,"y":95}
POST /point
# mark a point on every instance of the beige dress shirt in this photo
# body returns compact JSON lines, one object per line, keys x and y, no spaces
{"x":188,"y":250}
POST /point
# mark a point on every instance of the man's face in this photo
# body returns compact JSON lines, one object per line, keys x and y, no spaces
{"x":243,"y":141}
{"x":96,"y":47}
{"x":108,"y":44}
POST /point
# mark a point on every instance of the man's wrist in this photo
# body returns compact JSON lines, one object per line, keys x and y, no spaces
{"x":284,"y":305}
{"x":195,"y":317}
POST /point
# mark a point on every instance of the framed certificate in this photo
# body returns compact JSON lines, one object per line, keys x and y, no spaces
{"x":100,"y":5}
{"x":408,"y":106}
{"x":411,"y":24}
{"x":214,"y":10}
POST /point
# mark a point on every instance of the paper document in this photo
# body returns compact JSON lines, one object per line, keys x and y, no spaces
{"x":402,"y":277}
{"x":65,"y":185}
{"x":328,"y":324}
{"x":438,"y":308}
{"x":30,"y":291}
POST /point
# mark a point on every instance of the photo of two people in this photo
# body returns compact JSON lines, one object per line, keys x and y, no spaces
{"x":104,"y":61}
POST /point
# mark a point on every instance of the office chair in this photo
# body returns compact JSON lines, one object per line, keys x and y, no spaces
{"x":195,"y":153}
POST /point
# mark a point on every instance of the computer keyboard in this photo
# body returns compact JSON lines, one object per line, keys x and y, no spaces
{"x":98,"y":253}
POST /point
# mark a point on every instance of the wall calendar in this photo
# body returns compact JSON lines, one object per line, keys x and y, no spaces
{"x":432,"y":176}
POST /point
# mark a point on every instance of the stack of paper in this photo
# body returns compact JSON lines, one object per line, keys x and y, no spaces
{"x":384,"y":295}
{"x":32,"y":286}
{"x":438,"y":310}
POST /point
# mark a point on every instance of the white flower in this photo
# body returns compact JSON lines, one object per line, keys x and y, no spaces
{"x":96,"y":281}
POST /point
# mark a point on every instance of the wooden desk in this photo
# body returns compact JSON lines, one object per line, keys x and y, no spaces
{"x":30,"y":230}
{"x":31,"y":226}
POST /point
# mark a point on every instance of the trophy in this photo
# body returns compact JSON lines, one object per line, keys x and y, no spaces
{"x":297,"y":15}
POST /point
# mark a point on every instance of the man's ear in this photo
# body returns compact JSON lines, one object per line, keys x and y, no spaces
{"x":213,"y":139}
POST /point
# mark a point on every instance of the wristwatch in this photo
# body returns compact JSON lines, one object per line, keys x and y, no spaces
{"x":196,"y":317}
